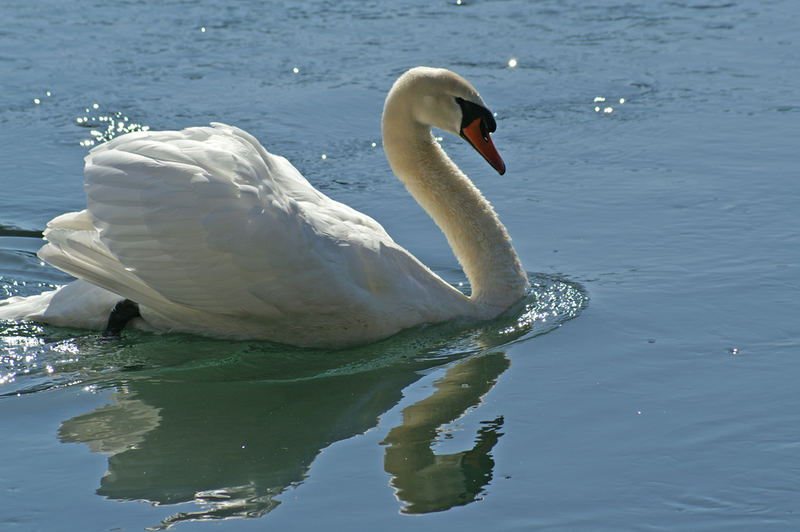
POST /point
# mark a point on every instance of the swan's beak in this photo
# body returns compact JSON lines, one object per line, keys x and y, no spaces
{"x":477,"y":135}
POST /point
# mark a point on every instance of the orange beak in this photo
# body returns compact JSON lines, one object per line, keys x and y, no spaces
{"x":477,"y":135}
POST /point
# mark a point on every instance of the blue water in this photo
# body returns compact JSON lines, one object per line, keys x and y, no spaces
{"x":652,"y":192}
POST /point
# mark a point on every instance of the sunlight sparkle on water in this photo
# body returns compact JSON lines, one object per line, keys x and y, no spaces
{"x":115,"y":124}
{"x":558,"y":300}
{"x":38,"y":101}
{"x":605,"y":109}
{"x":512,"y":63}
{"x":67,"y":347}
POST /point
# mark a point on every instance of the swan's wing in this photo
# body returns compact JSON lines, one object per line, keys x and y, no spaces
{"x":207,"y":219}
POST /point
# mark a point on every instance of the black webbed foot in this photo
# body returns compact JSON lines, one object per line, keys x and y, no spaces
{"x":121,"y":314}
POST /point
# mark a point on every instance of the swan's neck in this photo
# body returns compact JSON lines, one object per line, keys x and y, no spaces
{"x":480,"y":242}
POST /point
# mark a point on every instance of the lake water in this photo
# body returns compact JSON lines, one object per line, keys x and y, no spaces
{"x":652,"y":191}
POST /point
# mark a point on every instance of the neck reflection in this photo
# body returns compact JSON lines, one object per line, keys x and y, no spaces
{"x":425,"y":481}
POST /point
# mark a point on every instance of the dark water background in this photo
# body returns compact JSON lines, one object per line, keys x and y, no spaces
{"x":670,"y":403}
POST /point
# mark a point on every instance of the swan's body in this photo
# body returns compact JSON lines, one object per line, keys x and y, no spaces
{"x":211,"y":234}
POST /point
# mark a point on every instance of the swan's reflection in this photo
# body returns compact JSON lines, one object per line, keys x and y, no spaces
{"x":232,"y":432}
{"x":233,"y":446}
{"x":428,"y":482}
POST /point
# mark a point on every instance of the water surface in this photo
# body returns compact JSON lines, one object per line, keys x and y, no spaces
{"x":652,"y":185}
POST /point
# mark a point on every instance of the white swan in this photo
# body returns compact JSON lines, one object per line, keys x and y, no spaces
{"x":211,"y":234}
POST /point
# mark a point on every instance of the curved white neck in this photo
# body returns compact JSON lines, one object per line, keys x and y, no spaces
{"x":479,"y":240}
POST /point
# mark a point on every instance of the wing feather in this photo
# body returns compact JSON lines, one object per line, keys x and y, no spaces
{"x":210,"y":220}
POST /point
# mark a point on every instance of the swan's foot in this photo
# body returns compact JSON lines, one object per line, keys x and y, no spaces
{"x":121,"y":314}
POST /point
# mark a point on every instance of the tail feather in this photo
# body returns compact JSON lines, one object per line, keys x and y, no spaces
{"x":74,"y":246}
{"x":79,"y":304}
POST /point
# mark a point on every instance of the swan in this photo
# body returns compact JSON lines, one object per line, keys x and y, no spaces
{"x":203,"y":231}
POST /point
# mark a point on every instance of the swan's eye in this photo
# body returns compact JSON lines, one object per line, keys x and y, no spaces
{"x":484,"y":131}
{"x":472,"y":111}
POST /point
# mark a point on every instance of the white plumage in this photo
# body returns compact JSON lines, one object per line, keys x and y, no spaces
{"x":211,"y":234}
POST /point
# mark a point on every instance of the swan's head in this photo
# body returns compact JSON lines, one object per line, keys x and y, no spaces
{"x":440,"y":98}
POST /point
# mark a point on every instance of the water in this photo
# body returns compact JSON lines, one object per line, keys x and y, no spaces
{"x":669,"y":403}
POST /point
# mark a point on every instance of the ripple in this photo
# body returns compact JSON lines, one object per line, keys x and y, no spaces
{"x":7,"y":230}
{"x":35,"y":357}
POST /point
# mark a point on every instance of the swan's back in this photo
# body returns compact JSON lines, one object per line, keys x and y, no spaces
{"x":210,"y":233}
